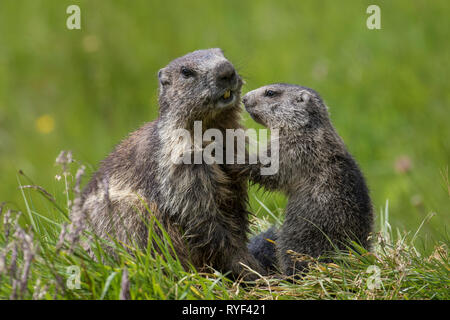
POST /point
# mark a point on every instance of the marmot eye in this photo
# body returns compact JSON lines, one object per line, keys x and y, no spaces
{"x":269,"y":93}
{"x":186,"y":72}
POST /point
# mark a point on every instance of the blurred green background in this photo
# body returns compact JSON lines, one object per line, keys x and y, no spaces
{"x":84,"y":90}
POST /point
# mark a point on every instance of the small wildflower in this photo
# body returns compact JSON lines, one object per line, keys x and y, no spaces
{"x":28,"y":253}
{"x":7,"y":224}
{"x":78,"y":225}
{"x":61,"y":238}
{"x":403,"y":164}
{"x":13,"y":263}
{"x":45,"y":124}
{"x":78,"y":176}
{"x":63,"y":159}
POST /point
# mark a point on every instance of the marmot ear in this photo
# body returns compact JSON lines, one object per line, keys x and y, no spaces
{"x":163,"y":77}
{"x":304,"y":97}
{"x":219,"y":51}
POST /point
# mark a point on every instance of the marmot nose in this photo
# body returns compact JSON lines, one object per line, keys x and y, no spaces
{"x":226,"y":74}
{"x":248,"y":102}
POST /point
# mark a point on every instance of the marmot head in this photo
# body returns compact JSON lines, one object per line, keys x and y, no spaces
{"x":286,"y":107}
{"x":200,"y":84}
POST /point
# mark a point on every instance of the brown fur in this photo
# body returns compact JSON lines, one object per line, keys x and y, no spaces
{"x":329,"y":201}
{"x":202,"y":207}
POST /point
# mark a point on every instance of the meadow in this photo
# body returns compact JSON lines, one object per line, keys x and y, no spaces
{"x":85,"y":90}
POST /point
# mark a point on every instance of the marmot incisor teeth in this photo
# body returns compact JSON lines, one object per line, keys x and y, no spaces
{"x":327,"y":195}
{"x":203,"y":207}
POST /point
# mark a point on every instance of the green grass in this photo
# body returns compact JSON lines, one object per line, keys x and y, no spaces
{"x":36,"y":257}
{"x":387,"y":91}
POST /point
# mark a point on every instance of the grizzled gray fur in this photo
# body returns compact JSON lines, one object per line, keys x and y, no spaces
{"x":328,"y":200}
{"x":203,"y":207}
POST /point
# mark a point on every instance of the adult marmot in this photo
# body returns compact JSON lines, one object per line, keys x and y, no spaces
{"x":202,"y":206}
{"x":328,"y":200}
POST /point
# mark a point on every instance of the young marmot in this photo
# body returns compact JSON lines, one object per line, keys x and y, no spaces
{"x":328,"y":200}
{"x":202,"y":206}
